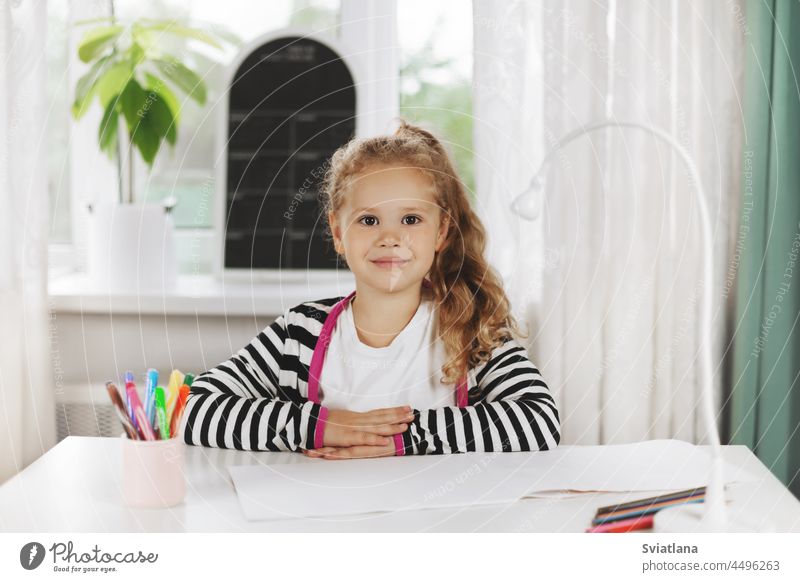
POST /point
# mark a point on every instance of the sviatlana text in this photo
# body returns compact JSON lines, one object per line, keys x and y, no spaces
{"x":672,"y":548}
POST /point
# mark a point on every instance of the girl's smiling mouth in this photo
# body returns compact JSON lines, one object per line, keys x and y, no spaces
{"x":389,"y":262}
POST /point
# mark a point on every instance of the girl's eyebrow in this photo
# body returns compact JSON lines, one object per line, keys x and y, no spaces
{"x":417,"y":208}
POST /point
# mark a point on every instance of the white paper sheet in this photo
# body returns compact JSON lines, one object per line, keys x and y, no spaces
{"x":324,"y":488}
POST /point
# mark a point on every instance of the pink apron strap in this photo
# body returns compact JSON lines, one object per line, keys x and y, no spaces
{"x":318,"y":358}
{"x":462,"y":396}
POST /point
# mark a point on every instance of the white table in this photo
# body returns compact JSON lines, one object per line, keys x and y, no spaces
{"x":75,"y":487}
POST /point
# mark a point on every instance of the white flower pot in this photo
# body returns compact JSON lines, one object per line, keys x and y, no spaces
{"x":131,"y":248}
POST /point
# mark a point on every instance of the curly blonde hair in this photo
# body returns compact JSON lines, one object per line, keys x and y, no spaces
{"x":474,"y":315}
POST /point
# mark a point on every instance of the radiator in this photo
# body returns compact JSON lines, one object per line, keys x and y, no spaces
{"x":83,"y":410}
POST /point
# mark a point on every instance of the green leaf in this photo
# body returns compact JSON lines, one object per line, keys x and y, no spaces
{"x":159,"y":118}
{"x":187,"y":80}
{"x":173,"y":27}
{"x":86,"y":85}
{"x":145,"y":39}
{"x":131,"y":101}
{"x":96,"y":40}
{"x":94,"y":20}
{"x":113,"y":82}
{"x":149,"y":119}
{"x":159,"y":85}
{"x":107,"y":135}
{"x":136,"y":54}
{"x":148,"y":144}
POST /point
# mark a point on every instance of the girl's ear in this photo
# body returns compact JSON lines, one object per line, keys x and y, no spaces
{"x":441,"y":236}
{"x":336,"y":231}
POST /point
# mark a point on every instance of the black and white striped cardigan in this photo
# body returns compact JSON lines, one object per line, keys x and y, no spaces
{"x":258,"y":399}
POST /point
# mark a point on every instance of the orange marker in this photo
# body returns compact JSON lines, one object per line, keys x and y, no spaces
{"x":177,"y":412}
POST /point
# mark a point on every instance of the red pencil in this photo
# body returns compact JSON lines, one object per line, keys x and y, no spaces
{"x":623,"y":525}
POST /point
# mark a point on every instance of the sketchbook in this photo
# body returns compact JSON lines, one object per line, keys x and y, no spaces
{"x":328,"y":488}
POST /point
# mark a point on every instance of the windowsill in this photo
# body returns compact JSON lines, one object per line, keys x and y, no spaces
{"x":200,"y":295}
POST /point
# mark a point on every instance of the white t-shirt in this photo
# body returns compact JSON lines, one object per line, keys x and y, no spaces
{"x":359,"y":377}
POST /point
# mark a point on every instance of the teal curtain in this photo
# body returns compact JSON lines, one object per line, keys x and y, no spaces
{"x":763,"y":411}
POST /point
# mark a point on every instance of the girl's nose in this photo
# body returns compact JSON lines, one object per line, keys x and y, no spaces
{"x":390,"y":235}
{"x":389,"y":238}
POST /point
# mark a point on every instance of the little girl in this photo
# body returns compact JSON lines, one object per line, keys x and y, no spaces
{"x":418,"y":359}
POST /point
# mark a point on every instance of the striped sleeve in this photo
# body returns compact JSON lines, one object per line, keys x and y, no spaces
{"x":512,"y":411}
{"x":240,"y":404}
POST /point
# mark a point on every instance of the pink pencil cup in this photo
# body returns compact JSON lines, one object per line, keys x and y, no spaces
{"x":153,"y":472}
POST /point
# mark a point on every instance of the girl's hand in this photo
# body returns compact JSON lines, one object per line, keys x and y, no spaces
{"x":355,"y":452}
{"x":345,"y":428}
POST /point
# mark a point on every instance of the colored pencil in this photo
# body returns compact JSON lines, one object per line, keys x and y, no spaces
{"x":648,"y":509}
{"x":625,"y":525}
{"x":647,"y":500}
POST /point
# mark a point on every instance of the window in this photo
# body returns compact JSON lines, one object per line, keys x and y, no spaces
{"x":435,"y":89}
{"x":187,"y":171}
{"x":436,"y":74}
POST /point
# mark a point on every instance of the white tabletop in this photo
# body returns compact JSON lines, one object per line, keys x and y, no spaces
{"x":75,"y":487}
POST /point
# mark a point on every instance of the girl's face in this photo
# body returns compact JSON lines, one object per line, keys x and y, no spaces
{"x":389,"y":227}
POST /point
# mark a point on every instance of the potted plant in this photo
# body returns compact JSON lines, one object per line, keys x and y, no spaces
{"x":137,"y":84}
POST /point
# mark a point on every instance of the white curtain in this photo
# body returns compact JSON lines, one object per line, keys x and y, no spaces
{"x":27,"y":391}
{"x":607,"y":280}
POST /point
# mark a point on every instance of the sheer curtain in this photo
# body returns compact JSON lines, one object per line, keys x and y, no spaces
{"x":607,"y":280}
{"x":27,"y":389}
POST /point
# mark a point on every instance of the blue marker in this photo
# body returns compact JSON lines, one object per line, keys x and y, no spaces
{"x":150,"y":395}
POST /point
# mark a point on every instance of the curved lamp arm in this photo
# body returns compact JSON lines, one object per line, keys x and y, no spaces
{"x":526,"y":206}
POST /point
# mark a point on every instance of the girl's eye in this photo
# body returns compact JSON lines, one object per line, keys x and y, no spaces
{"x":361,"y":220}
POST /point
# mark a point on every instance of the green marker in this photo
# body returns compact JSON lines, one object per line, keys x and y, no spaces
{"x":161,"y":413}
